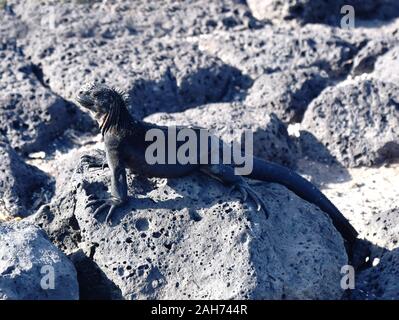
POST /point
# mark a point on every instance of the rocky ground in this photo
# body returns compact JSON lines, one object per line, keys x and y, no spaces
{"x":319,"y":98}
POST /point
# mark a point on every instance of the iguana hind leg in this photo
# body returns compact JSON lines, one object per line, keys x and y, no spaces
{"x":226,"y":175}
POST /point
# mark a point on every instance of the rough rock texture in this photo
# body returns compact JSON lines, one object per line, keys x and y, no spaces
{"x":27,"y":257}
{"x":306,"y":10}
{"x":93,"y":283}
{"x":230,"y":121}
{"x":30,"y":114}
{"x":311,"y":11}
{"x":380,"y":282}
{"x":22,"y":187}
{"x":317,"y":164}
{"x":154,"y":78}
{"x":387,"y":65}
{"x":383,"y":229}
{"x":11,"y":27}
{"x":276,"y":48}
{"x":287,"y":93}
{"x":357,"y":121}
{"x":147,"y":18}
{"x":117,"y":46}
{"x":365,"y":60}
{"x":174,"y":240}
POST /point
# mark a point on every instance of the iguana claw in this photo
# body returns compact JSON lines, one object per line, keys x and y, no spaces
{"x":103,"y":204}
{"x":246,"y":191}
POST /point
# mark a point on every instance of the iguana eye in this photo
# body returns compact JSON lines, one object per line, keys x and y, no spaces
{"x":96,"y":94}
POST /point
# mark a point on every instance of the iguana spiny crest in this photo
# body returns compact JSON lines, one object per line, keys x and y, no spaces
{"x":108,"y":104}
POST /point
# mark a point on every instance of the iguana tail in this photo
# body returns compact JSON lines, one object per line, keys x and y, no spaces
{"x":271,"y":172}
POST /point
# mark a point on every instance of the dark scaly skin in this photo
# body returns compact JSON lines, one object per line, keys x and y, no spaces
{"x":125,"y":145}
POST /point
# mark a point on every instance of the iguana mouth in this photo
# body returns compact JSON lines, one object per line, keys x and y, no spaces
{"x":85,"y":101}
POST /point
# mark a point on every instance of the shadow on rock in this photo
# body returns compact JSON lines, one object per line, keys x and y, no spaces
{"x":93,"y":282}
{"x":170,"y":94}
{"x":324,"y":11}
{"x":23,"y":187}
{"x":274,"y":144}
{"x":319,"y":164}
{"x":82,"y":126}
{"x":379,"y":281}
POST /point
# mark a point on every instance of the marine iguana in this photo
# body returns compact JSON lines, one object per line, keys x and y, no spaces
{"x":125,"y":146}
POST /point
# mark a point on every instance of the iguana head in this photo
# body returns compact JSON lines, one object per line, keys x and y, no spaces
{"x":107,"y":104}
{"x":100,"y":98}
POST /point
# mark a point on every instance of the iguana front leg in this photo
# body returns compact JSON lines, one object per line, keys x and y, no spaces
{"x":226,"y":175}
{"x":118,"y":193}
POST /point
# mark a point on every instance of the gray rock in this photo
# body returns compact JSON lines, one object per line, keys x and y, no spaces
{"x":59,"y":220}
{"x":357,"y":121}
{"x":186,"y":238}
{"x":365,"y":60}
{"x":31,"y":115}
{"x":11,"y":27}
{"x":287,"y":93}
{"x":315,"y":11}
{"x":162,"y":72}
{"x":29,"y":264}
{"x":304,"y":10}
{"x":22,"y":187}
{"x":387,"y":66}
{"x":93,"y":282}
{"x":380,"y":282}
{"x":278,"y":48}
{"x":163,"y":75}
{"x":228,"y":121}
{"x":383,"y":228}
{"x":310,"y":147}
{"x":143,"y":18}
